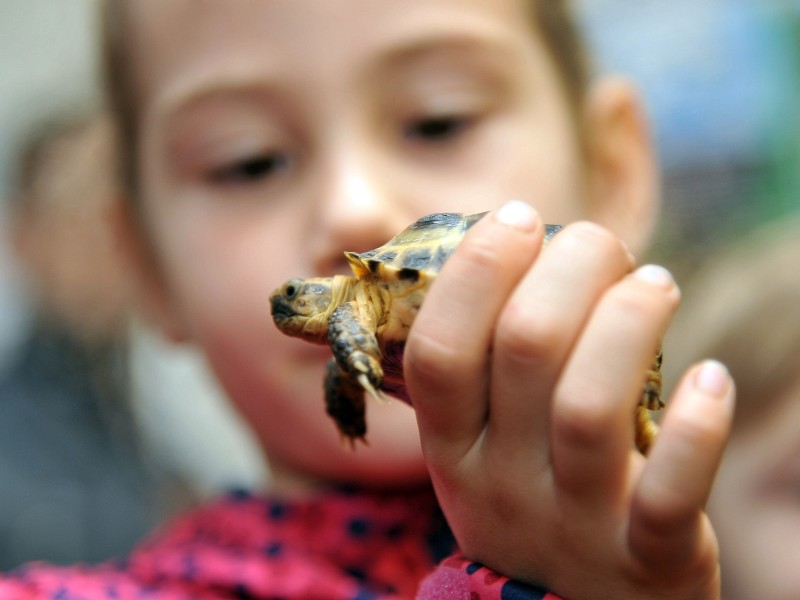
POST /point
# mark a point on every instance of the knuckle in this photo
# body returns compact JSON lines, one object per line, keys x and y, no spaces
{"x":490,"y":250}
{"x":592,"y":237}
{"x":526,"y":336}
{"x":481,"y":252}
{"x":591,"y":232}
{"x":639,"y":303}
{"x":660,"y":510}
{"x":581,"y":421}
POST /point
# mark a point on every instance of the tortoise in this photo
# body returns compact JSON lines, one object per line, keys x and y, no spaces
{"x":366,"y":317}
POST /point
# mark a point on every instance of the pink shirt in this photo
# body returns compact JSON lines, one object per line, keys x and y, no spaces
{"x":339,"y":545}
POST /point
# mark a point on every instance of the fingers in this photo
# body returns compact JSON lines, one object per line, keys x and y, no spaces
{"x":603,"y":381}
{"x":538,"y":329}
{"x":667,"y":520}
{"x":447,"y":351}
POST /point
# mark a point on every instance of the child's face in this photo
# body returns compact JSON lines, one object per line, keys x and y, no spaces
{"x":755,"y":505}
{"x":276,"y":134}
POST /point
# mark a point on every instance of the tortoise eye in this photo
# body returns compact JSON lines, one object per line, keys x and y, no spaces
{"x":291,"y":291}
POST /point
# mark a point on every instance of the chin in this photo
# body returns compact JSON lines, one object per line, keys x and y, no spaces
{"x":391,"y":457}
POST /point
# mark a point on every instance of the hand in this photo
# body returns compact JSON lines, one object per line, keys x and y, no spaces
{"x":525,"y":370}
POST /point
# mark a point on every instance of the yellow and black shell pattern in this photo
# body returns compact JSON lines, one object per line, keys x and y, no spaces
{"x":420,"y":250}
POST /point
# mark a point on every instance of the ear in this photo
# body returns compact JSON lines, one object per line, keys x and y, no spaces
{"x":153,"y":298}
{"x":624,"y":186}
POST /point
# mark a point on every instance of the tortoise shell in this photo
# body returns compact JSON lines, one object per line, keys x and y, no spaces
{"x":421,"y":249}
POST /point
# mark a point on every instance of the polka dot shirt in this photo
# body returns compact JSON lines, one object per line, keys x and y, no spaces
{"x":343,"y":545}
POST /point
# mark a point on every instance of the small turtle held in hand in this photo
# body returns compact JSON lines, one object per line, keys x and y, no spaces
{"x":365,"y":318}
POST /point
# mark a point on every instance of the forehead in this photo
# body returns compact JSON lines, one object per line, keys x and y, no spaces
{"x":186,"y":44}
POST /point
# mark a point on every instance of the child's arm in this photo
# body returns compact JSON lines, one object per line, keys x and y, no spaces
{"x":525,"y":373}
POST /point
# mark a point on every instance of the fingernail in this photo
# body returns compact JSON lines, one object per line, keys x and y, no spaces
{"x":655,"y":275}
{"x":712,"y":378}
{"x":517,"y":214}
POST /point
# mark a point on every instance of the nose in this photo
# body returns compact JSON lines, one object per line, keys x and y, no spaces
{"x":358,"y":209}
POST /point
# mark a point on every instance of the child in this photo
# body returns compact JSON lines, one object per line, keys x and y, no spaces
{"x":75,"y":486}
{"x":263,"y":139}
{"x":742,"y":307}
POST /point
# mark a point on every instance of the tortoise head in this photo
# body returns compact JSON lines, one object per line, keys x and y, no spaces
{"x":300,"y":307}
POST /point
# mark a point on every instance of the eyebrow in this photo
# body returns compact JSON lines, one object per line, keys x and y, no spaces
{"x":490,"y":47}
{"x":484,"y":44}
{"x":195,"y":92}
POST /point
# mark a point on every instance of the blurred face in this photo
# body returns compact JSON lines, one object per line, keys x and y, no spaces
{"x":755,"y":506}
{"x":274,"y":135}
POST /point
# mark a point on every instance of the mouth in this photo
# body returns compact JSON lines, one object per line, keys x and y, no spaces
{"x":281,"y":310}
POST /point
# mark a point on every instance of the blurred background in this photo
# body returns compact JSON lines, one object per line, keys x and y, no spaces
{"x":720,"y":80}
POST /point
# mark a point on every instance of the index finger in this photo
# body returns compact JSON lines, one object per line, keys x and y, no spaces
{"x":447,"y":352}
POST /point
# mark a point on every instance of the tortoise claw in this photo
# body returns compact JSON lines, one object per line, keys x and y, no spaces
{"x":376,"y":393}
{"x":352,"y":440}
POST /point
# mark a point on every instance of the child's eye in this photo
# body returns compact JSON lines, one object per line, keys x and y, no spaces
{"x":436,"y":129}
{"x":251,"y":169}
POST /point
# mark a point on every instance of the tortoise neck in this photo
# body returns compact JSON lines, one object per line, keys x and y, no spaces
{"x":342,"y":290}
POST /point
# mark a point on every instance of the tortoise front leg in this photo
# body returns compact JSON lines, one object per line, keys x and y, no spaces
{"x":344,"y":402}
{"x":652,"y":387}
{"x":646,"y":429}
{"x":352,"y":339}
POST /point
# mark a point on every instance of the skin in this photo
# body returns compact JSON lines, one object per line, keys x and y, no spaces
{"x":270,"y":142}
{"x":759,"y":477}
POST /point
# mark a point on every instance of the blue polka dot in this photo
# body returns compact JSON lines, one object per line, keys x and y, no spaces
{"x":472,"y":567}
{"x":514,"y":590}
{"x":190,"y":568}
{"x":356,"y":572}
{"x":273,"y":550}
{"x":242,"y":593}
{"x":396,"y":531}
{"x":358,"y":528}
{"x":277,"y":511}
{"x":440,"y":539}
{"x":239,"y":495}
{"x":364,"y":595}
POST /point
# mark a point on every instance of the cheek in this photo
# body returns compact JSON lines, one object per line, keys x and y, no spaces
{"x":280,"y":394}
{"x":221,"y":273}
{"x":508,"y":166}
{"x":222,"y":263}
{"x":222,"y":266}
